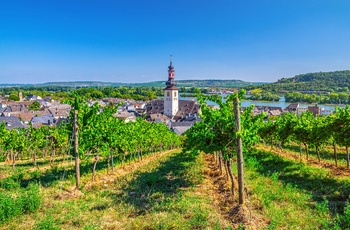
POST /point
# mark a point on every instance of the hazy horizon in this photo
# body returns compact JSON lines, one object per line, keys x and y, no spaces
{"x":130,"y":41}
{"x":16,"y":83}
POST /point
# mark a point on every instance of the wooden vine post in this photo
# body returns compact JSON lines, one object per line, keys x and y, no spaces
{"x":239,"y":151}
{"x":76,"y":151}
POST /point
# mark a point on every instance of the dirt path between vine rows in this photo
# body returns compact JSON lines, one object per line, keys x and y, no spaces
{"x":221,"y":196}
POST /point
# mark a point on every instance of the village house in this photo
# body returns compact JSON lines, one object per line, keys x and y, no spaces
{"x":301,"y":110}
{"x":326,"y":112}
{"x":315,"y":110}
{"x":126,"y":116}
{"x":60,"y":111}
{"x":47,"y":119}
{"x":32,"y":97}
{"x":11,"y":122}
{"x":292,"y":108}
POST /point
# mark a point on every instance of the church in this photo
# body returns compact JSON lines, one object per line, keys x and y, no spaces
{"x":171,"y":110}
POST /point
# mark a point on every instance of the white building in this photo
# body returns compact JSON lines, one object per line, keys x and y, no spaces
{"x":301,"y":110}
{"x":171,"y":93}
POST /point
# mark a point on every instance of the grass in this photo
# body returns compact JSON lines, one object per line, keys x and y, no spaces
{"x":294,"y":195}
{"x":169,"y":191}
{"x":162,"y":193}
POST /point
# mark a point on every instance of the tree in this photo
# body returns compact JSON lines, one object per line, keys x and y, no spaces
{"x":14,"y":97}
{"x":34,"y":106}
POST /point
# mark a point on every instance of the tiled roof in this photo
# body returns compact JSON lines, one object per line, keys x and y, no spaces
{"x":179,"y":130}
{"x":47,"y":119}
{"x":292,"y":107}
{"x":12,"y":122}
{"x":185,"y":107}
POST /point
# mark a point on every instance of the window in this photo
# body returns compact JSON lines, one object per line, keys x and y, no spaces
{"x":168,"y":94}
{"x":174,"y":94}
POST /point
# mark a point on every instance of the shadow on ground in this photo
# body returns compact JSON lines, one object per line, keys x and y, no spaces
{"x":325,"y":153}
{"x":309,"y":179}
{"x":149,"y":189}
{"x":53,"y":175}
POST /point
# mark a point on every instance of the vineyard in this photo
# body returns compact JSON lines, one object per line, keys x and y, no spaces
{"x":232,"y":170}
{"x":226,"y":135}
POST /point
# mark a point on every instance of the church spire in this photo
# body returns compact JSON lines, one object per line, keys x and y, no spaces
{"x":171,"y":62}
{"x":171,"y":75}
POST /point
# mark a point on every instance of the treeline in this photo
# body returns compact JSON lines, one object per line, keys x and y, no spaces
{"x":331,"y":98}
{"x":67,"y":93}
{"x":264,"y":96}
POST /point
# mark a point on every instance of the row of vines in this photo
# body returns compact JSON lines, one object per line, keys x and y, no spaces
{"x":100,"y":134}
{"x":311,"y":132}
{"x":225,"y":134}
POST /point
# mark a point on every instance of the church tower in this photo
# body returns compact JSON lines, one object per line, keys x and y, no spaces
{"x":171,"y":101}
{"x":20,"y":96}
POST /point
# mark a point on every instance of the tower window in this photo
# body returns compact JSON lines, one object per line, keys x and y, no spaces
{"x":175,"y":94}
{"x":168,"y":94}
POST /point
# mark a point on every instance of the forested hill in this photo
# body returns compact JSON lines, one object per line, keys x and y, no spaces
{"x":325,"y":81}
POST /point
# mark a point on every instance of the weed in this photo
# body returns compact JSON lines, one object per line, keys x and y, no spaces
{"x":31,"y":198}
{"x":46,"y":224}
{"x":36,"y":174}
{"x":322,"y":206}
{"x":9,"y":184}
{"x":199,"y":219}
{"x":9,"y":207}
{"x":345,"y":218}
{"x":24,"y":201}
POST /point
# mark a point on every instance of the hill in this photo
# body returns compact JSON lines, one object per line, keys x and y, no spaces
{"x":320,"y":81}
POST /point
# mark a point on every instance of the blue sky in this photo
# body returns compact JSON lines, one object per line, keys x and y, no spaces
{"x":130,"y":41}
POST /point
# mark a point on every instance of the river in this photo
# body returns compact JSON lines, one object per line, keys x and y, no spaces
{"x":282,"y":103}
